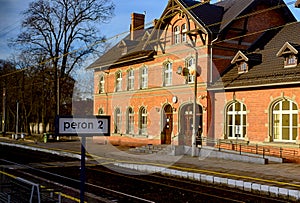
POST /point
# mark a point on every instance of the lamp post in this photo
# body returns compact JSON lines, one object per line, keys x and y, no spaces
{"x":194,"y":131}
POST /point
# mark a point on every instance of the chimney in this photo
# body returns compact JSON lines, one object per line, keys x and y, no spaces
{"x":297,"y":4}
{"x":137,"y":24}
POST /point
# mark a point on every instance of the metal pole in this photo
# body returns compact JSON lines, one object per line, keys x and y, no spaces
{"x":3,"y":110}
{"x":17,"y":121}
{"x":82,"y":169}
{"x":195,"y":105}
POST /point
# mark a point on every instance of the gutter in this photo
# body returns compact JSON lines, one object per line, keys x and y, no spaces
{"x":253,"y":86}
{"x":120,"y":62}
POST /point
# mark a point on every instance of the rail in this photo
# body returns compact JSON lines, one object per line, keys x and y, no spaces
{"x":20,"y":190}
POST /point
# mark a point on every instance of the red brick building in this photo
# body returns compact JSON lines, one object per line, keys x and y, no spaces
{"x":246,"y":64}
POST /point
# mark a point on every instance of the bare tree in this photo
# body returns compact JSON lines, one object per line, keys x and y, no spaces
{"x":65,"y":32}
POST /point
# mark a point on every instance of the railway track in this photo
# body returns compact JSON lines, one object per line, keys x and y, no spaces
{"x":104,"y":184}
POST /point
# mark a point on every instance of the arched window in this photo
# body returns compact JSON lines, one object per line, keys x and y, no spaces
{"x":144,"y":77}
{"x":117,"y":120}
{"x":168,"y":74}
{"x":130,"y":121}
{"x":236,"y":116}
{"x":130,"y":79}
{"x":284,"y":120}
{"x":118,"y":81}
{"x":143,"y":121}
{"x":183,"y":33}
{"x":176,"y":35}
{"x":190,"y":65}
{"x":101,"y":84}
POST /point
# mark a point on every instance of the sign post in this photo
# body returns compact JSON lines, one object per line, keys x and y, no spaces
{"x":88,"y":126}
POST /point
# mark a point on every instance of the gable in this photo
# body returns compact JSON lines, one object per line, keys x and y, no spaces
{"x":288,"y":48}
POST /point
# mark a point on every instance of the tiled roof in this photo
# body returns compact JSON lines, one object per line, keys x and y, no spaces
{"x":213,"y":17}
{"x":115,"y":54}
{"x":209,"y":15}
{"x":271,"y":70}
{"x":232,"y":9}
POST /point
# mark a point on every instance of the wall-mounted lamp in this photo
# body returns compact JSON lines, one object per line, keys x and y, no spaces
{"x":204,"y":108}
{"x":174,"y":109}
{"x":179,"y":70}
{"x":157,"y":109}
{"x":182,"y":71}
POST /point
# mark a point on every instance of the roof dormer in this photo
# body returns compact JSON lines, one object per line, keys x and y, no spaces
{"x":290,"y":52}
{"x":245,"y":61}
{"x":241,"y":61}
{"x":123,"y":46}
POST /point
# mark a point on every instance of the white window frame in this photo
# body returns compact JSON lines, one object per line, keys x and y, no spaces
{"x":130,"y":120}
{"x":130,"y":79}
{"x":144,"y":77}
{"x":184,"y":33}
{"x":143,"y":121}
{"x":242,"y":67}
{"x":290,"y":61}
{"x":176,"y":34}
{"x":118,"y":81}
{"x":238,"y":128}
{"x":168,"y":71}
{"x":101,"y":84}
{"x":278,"y":118}
{"x":118,"y":120}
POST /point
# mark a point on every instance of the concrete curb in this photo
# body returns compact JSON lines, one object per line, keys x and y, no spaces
{"x":59,"y":153}
{"x":271,"y":190}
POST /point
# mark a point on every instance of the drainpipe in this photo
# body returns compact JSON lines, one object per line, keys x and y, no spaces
{"x":211,"y":59}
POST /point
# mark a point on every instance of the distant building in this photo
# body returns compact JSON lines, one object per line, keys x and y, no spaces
{"x":245,"y":55}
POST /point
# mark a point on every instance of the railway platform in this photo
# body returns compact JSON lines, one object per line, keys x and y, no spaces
{"x":274,"y":179}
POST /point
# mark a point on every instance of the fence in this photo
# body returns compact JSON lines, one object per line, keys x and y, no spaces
{"x":288,"y":154}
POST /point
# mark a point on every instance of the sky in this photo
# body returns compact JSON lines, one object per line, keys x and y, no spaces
{"x":10,"y":17}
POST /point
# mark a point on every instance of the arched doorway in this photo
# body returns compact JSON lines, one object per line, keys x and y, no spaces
{"x":167,"y":124}
{"x":186,"y":123}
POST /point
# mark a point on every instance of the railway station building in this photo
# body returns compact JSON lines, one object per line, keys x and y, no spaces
{"x":232,"y":64}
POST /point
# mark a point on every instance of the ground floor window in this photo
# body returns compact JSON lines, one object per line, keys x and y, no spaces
{"x":186,"y":123}
{"x":236,"y":120}
{"x":285,"y":121}
{"x":130,"y":121}
{"x":143,"y":121}
{"x":117,"y":120}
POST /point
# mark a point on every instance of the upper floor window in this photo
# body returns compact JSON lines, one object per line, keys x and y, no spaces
{"x":190,"y":65}
{"x":184,"y":33}
{"x":144,"y":77}
{"x":101,"y":84}
{"x":130,"y":80}
{"x":242,"y":67}
{"x":290,"y":61}
{"x":118,"y":81}
{"x":168,"y":74}
{"x":290,"y":52}
{"x":176,"y":35}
